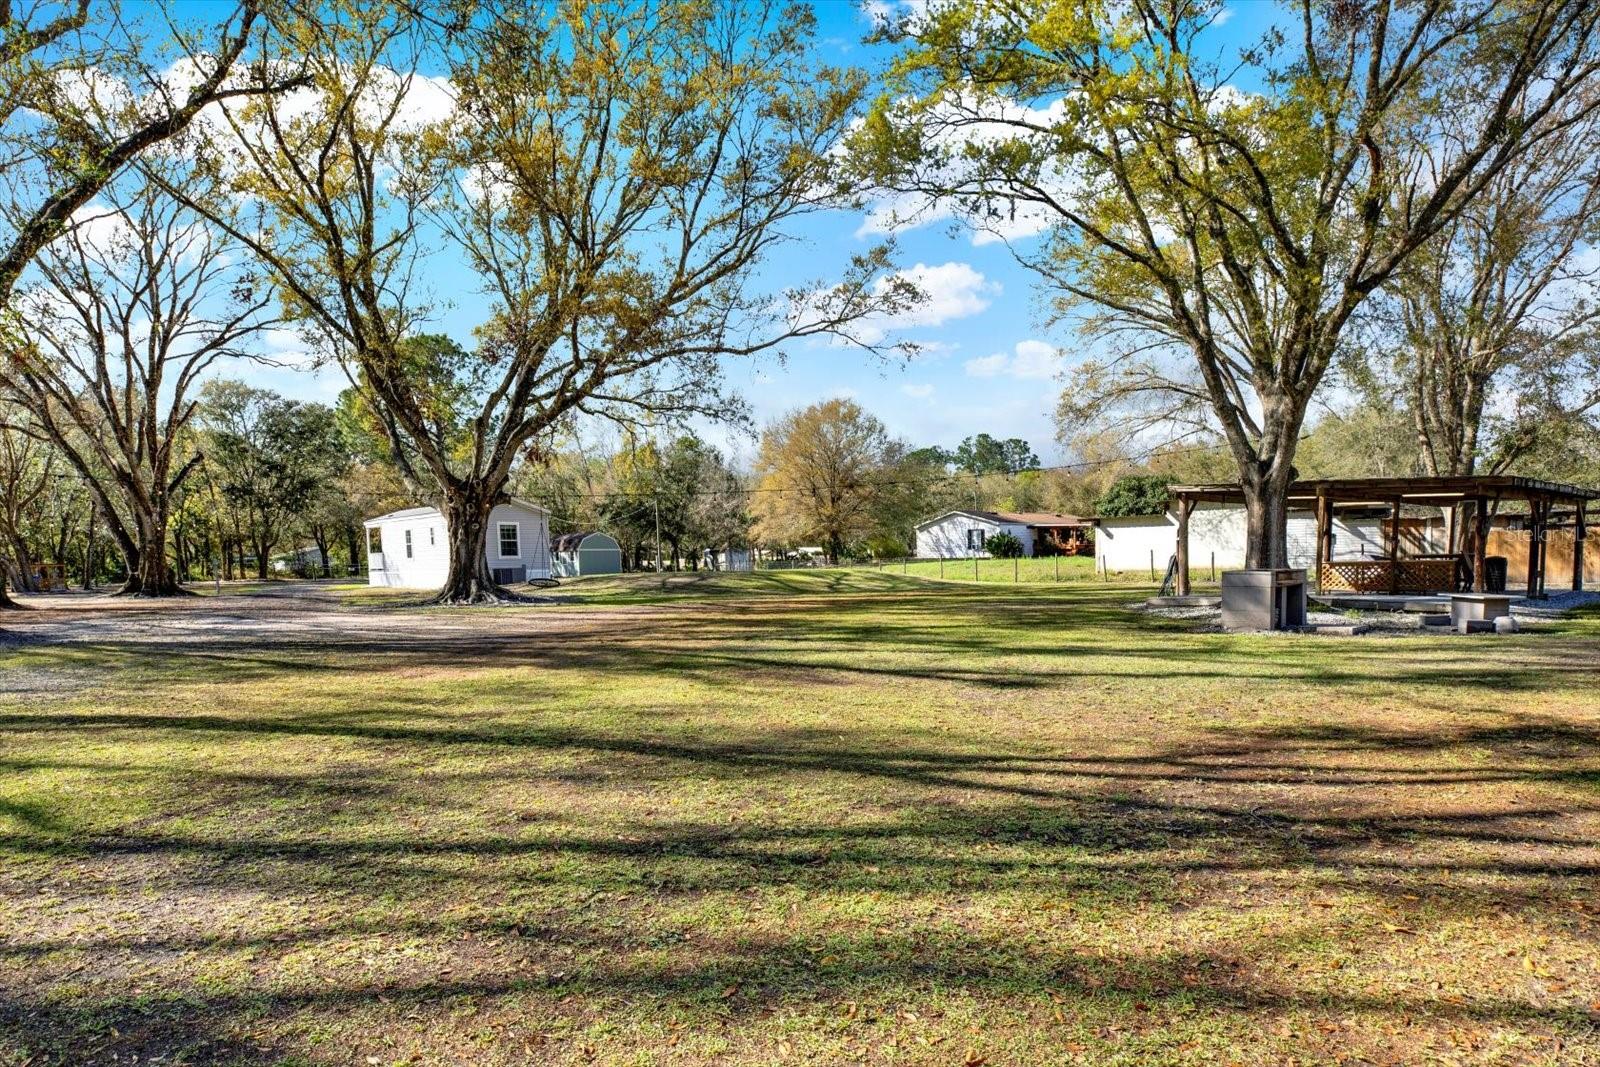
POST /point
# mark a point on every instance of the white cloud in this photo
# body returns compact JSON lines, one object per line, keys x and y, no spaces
{"x":950,"y":291}
{"x":1028,"y":361}
{"x":917,"y":392}
{"x":1222,"y":16}
{"x":1035,"y":359}
{"x":987,"y":366}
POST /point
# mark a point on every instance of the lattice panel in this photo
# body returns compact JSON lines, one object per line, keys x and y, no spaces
{"x":1374,"y":576}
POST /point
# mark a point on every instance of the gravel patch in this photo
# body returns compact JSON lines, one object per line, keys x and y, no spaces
{"x":1387,"y":623}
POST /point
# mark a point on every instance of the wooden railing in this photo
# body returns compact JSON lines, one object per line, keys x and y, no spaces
{"x":1435,"y":574}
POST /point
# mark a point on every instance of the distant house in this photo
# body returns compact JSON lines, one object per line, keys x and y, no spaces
{"x":409,"y":548}
{"x":585,"y":552}
{"x":963,"y":534}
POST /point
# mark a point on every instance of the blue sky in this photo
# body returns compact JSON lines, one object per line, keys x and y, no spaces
{"x":991,"y":363}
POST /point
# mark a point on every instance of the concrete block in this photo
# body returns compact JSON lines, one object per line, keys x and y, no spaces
{"x":1478,"y":606}
{"x":1475,"y":626}
{"x":1354,"y":629}
{"x":1436,"y":620}
{"x":1183,"y":602}
{"x":1506,"y":624}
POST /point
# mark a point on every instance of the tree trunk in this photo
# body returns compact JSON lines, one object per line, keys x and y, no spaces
{"x":6,"y":603}
{"x":1266,"y":510}
{"x":152,"y":575}
{"x":468,"y":581}
{"x":353,"y":547}
{"x":262,"y":551}
{"x":88,"y":545}
{"x":22,"y":567}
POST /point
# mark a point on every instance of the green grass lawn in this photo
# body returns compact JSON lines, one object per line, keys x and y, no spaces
{"x":1028,"y":571}
{"x":790,"y":817}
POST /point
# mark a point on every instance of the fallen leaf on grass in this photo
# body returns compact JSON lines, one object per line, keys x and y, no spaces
{"x":974,"y":1059}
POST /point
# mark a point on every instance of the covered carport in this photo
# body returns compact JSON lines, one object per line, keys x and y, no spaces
{"x":1474,"y":498}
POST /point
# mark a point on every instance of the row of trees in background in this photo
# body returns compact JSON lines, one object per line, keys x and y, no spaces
{"x":260,"y":473}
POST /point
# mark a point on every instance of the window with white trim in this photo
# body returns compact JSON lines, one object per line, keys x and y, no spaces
{"x":976,"y":538}
{"x":510,"y":540}
{"x":408,"y":544}
{"x":375,"y":541}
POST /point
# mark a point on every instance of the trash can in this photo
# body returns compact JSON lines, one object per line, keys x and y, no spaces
{"x":1264,"y":599}
{"x":1494,"y":574}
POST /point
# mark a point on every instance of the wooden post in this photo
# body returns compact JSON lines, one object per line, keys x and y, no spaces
{"x":1324,"y":535}
{"x":1579,"y":533}
{"x":1536,"y":548}
{"x":1533,"y":548}
{"x":1185,"y":508}
{"x":1394,"y":547}
{"x":1480,"y":547}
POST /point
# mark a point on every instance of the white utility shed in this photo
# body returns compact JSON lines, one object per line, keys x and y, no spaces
{"x":585,"y":552}
{"x":408,"y":548}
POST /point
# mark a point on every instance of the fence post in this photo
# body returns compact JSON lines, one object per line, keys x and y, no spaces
{"x":1016,"y":569}
{"x":1152,"y":564}
{"x":974,"y":568}
{"x":1213,"y":566}
{"x":941,"y":568}
{"x":1058,"y":568}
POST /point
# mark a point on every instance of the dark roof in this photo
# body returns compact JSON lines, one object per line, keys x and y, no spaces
{"x":570,"y":542}
{"x":1042,"y":518}
{"x":1372,"y":492}
{"x":1015,"y":518}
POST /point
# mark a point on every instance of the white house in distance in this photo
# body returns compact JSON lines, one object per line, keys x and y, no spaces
{"x":963,"y":534}
{"x":1139,"y":542}
{"x":409,"y":549}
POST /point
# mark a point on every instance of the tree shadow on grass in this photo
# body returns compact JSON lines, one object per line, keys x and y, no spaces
{"x":596,"y":951}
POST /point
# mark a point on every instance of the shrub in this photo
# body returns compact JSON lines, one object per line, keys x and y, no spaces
{"x":1133,"y":495}
{"x":1003,"y":546}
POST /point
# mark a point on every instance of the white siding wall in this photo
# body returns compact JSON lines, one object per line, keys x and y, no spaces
{"x":429,"y":561}
{"x":1127,"y":544}
{"x":1130,"y":544}
{"x":947,"y":538}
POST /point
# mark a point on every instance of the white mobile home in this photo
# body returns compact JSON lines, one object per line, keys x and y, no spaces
{"x":964,"y":534}
{"x":1137,"y":542}
{"x":409,"y":549}
{"x":585,"y":552}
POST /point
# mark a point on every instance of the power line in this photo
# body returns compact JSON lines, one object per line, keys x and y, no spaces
{"x":962,"y":476}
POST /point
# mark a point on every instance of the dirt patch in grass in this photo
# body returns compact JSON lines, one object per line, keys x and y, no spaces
{"x":885,"y":824}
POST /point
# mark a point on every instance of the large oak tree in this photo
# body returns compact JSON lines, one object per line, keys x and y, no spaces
{"x":1218,"y":223}
{"x":613,"y":175}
